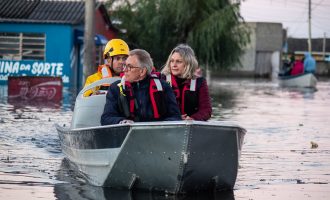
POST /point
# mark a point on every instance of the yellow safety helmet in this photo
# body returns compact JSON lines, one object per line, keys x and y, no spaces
{"x":115,"y":47}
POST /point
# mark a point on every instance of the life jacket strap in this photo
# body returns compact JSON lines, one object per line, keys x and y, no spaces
{"x":169,"y":79}
{"x":127,"y":92}
{"x":157,"y":82}
{"x":122,"y":82}
{"x":152,"y":92}
{"x":193,"y":85}
{"x":106,"y":73}
{"x":191,"y":88}
{"x":155,"y":88}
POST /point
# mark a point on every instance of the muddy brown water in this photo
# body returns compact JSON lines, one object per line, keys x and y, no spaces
{"x":286,"y":151}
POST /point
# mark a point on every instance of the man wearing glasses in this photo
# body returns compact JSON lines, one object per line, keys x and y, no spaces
{"x":139,"y":96}
{"x":115,"y":53}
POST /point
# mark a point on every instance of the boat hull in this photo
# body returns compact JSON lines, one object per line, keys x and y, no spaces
{"x":303,"y":80}
{"x":175,"y":157}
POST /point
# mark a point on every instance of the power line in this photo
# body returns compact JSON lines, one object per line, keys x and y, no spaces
{"x":316,"y":5}
{"x":289,"y":3}
{"x":321,"y":27}
{"x":291,"y":13}
{"x":316,"y":15}
{"x":304,"y":1}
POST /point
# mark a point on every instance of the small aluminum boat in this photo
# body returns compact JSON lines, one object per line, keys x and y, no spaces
{"x":173,"y":157}
{"x":302,"y":80}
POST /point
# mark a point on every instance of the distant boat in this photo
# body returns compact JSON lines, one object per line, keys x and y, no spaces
{"x":173,"y":156}
{"x":301,"y":80}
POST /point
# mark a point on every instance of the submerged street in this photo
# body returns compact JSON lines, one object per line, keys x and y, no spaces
{"x":285,"y":152}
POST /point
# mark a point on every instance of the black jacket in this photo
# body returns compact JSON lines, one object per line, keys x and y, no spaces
{"x":113,"y":115}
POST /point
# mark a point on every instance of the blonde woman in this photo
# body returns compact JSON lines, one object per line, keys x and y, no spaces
{"x":191,"y":92}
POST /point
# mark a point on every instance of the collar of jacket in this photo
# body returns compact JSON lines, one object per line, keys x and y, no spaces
{"x":142,"y":83}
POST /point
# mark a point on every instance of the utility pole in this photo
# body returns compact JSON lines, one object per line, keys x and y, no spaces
{"x":89,"y":43}
{"x":324,"y":44}
{"x":309,"y":27}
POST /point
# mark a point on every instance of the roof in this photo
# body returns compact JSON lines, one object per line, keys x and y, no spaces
{"x":46,"y":11}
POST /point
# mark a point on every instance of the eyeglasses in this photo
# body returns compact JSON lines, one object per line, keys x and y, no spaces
{"x":129,"y":67}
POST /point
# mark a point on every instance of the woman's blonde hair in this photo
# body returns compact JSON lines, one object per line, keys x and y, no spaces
{"x":189,"y":59}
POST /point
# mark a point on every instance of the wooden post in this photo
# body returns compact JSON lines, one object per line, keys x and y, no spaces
{"x":89,"y":43}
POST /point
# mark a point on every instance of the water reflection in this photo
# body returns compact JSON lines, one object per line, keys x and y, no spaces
{"x":74,"y":187}
{"x":19,"y":103}
{"x":69,"y":192}
{"x":67,"y":102}
{"x":306,"y":93}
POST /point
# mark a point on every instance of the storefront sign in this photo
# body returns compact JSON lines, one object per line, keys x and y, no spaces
{"x":31,"y":68}
{"x":35,"y":88}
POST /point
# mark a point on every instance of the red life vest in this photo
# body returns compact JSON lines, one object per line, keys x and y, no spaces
{"x":156,"y":98}
{"x":187,"y":99}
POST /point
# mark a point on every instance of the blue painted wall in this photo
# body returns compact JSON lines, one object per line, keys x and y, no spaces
{"x":60,"y":53}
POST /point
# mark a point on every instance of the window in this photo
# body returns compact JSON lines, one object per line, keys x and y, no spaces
{"x":22,"y":46}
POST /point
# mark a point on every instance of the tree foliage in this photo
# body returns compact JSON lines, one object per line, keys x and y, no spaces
{"x":213,"y":28}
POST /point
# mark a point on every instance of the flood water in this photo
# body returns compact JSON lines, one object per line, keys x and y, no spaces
{"x":286,"y":151}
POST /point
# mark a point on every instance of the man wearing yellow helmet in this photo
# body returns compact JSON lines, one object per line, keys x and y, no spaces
{"x":115,"y":52}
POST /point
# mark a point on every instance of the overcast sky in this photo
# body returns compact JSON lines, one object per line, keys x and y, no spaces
{"x":293,"y":14}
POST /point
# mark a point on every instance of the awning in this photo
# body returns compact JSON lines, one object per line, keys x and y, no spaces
{"x":99,"y":39}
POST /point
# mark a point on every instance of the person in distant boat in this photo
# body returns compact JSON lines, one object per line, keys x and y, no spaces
{"x":297,"y":68}
{"x":287,"y":65}
{"x":139,"y":96}
{"x":115,"y":53}
{"x":191,"y":91}
{"x":309,"y":63}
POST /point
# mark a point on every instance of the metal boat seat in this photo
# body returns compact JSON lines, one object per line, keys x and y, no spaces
{"x":88,"y":110}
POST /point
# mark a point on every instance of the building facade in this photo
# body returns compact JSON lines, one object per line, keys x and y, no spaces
{"x":262,"y":55}
{"x":45,"y":38}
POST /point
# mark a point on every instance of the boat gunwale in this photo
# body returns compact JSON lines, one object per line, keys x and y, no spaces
{"x":161,"y":123}
{"x":294,"y":76}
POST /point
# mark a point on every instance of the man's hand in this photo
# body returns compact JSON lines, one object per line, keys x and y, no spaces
{"x":126,"y":121}
{"x":98,"y":92}
{"x":186,"y":117}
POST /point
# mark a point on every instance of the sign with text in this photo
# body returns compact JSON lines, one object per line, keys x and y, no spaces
{"x":41,"y":89}
{"x":32,"y":68}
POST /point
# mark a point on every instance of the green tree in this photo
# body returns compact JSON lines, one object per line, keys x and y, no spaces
{"x":213,"y":28}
